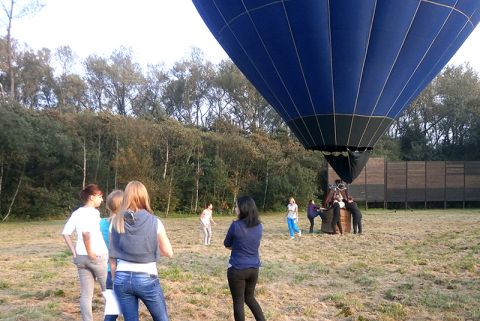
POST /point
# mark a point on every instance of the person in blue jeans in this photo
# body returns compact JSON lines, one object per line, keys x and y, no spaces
{"x":292,"y":218}
{"x":138,"y":239}
{"x":243,"y":239}
{"x":114,"y":201}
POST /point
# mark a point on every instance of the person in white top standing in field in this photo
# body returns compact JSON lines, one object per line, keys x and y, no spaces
{"x":206,"y":221}
{"x":292,"y":218}
{"x":90,"y":254}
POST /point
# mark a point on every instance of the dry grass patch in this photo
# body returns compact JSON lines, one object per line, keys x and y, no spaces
{"x":421,"y":265}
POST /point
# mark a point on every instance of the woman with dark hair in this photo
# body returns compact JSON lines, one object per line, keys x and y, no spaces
{"x":90,"y":254}
{"x":138,"y":239}
{"x":243,"y":239}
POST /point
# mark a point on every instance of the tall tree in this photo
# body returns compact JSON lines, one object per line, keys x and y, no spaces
{"x":16,"y":9}
{"x":124,"y":79}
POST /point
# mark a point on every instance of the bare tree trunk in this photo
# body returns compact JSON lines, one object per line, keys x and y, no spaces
{"x":197,"y":180}
{"x":116,"y":163}
{"x":235,"y":191}
{"x":266,"y":189}
{"x":166,"y":161}
{"x":170,"y":188}
{"x":98,"y":156}
{"x":1,"y":184}
{"x":84,"y":161}
{"x":13,"y":199}
{"x":11,"y":74}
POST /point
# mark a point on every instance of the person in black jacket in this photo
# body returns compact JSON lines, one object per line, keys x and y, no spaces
{"x":356,"y":215}
{"x":337,"y":205}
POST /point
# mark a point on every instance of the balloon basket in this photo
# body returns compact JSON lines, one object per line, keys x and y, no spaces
{"x":345,"y":220}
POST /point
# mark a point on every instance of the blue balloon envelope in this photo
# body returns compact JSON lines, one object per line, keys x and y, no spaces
{"x":340,"y":71}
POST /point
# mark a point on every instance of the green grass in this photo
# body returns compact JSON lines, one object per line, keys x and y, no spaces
{"x":417,"y":266}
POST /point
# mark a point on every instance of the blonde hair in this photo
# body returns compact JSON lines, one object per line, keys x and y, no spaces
{"x":291,"y":199}
{"x":135,"y":197}
{"x":114,"y":201}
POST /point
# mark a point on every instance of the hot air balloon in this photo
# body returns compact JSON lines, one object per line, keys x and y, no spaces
{"x":340,"y":71}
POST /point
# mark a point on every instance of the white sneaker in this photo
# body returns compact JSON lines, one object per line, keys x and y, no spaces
{"x":292,"y":237}
{"x":299,"y":233}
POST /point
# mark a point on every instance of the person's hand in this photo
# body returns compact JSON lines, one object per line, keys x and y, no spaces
{"x":92,"y":256}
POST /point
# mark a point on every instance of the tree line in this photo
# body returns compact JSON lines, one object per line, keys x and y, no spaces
{"x":194,"y":132}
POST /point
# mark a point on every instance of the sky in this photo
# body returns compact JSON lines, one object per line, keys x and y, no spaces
{"x":156,"y":30}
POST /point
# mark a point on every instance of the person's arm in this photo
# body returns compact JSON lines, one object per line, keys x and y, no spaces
{"x":113,"y":267}
{"x":164,"y":244}
{"x":228,"y":242}
{"x":211,"y":220}
{"x":88,"y":245}
{"x":69,"y":242}
{"x":201,"y":216}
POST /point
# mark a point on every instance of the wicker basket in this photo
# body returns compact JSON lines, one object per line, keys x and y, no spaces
{"x":345,"y":220}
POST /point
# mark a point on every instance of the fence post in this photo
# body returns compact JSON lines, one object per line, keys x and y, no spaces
{"x":385,"y":183}
{"x":366,"y":186}
{"x":445,"y":186}
{"x":425,"y":185}
{"x":406,"y":184}
{"x":464,"y":182}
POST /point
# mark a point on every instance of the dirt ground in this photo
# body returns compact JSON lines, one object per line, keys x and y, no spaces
{"x":420,"y":265}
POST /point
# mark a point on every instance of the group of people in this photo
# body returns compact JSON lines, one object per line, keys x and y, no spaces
{"x":338,"y":202}
{"x":121,"y":252}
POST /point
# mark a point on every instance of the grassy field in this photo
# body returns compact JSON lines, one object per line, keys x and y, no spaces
{"x":421,"y":265}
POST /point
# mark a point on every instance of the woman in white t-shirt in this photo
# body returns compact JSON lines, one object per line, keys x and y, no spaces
{"x":90,"y":254}
{"x":292,"y":218}
{"x":206,"y":220}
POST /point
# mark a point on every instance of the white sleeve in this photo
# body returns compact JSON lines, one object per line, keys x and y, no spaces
{"x":69,"y":226}
{"x":160,"y":227}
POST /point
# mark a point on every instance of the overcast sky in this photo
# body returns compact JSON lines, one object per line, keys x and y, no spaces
{"x":156,"y":30}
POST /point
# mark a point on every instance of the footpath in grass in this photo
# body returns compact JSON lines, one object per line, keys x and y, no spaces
{"x":421,"y":265}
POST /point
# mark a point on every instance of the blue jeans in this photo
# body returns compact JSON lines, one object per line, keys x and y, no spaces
{"x":131,"y":286}
{"x":292,"y":226}
{"x":110,"y":317}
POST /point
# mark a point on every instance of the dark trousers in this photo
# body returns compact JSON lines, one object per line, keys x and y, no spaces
{"x":312,"y":222}
{"x":357,"y":224}
{"x":336,"y":219}
{"x":242,"y":286}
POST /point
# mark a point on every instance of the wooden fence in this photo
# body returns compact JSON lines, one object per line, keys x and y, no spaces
{"x":415,"y":182}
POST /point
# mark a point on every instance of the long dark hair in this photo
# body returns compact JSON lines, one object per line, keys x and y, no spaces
{"x":248,"y":211}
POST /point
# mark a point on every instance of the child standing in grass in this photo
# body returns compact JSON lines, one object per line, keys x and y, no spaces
{"x":206,"y":221}
{"x":114,"y":201}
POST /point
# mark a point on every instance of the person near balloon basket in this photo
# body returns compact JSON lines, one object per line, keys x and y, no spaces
{"x":313,"y":211}
{"x":338,"y":203}
{"x":352,"y":206}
